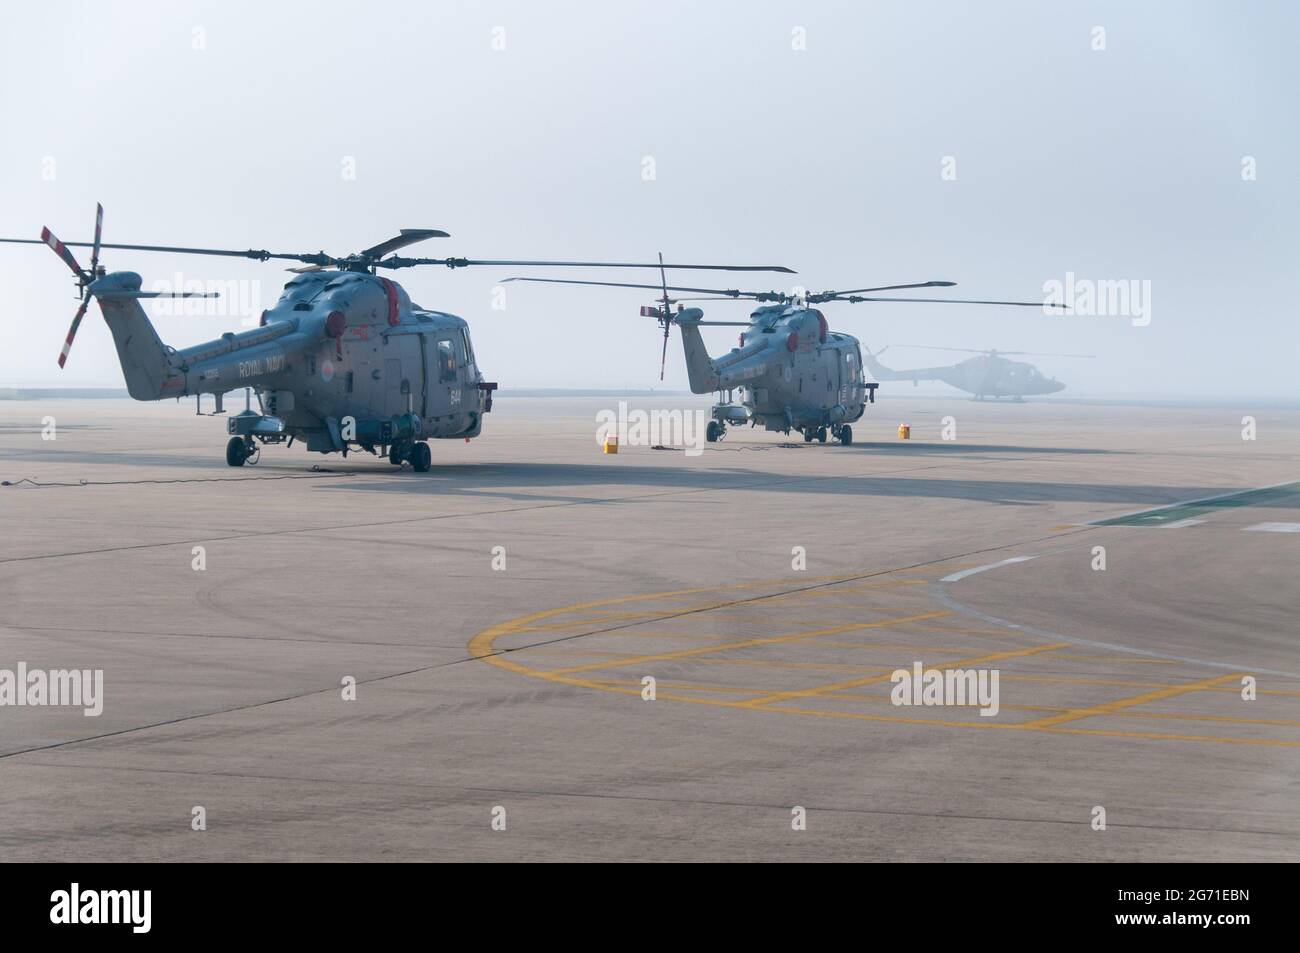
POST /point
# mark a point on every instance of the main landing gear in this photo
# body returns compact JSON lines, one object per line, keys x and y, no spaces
{"x":841,"y":432}
{"x":417,"y":454}
{"x":420,"y":457}
{"x":714,"y":431}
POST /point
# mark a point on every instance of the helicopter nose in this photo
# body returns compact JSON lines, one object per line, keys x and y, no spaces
{"x":1057,"y":385}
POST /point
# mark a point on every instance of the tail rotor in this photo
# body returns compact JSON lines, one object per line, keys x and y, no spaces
{"x":665,"y":316}
{"x":84,"y":276}
{"x":663,"y":313}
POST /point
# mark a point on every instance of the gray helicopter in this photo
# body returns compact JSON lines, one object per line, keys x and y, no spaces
{"x":789,"y":371}
{"x":344,"y":359}
{"x":987,"y":376}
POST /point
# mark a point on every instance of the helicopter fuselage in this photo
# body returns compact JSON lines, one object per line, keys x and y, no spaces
{"x":993,"y":376}
{"x":985,"y":376}
{"x":343,"y":359}
{"x":791,"y":372}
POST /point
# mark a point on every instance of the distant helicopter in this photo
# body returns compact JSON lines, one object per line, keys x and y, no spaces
{"x":343,"y":359}
{"x":790,"y":370}
{"x":990,"y":375}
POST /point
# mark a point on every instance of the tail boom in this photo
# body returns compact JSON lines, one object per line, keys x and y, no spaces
{"x":146,"y":365}
{"x":707,"y":374}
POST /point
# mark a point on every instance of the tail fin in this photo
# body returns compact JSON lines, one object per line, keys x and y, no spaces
{"x":699,"y":366}
{"x":879,"y":371}
{"x":144,"y":359}
{"x":913,"y":374}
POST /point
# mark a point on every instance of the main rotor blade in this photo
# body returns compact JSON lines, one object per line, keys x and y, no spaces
{"x":732,"y":293}
{"x":396,"y":262}
{"x":1040,"y":354}
{"x":705,"y":298}
{"x":855,"y":291}
{"x":931,"y":347}
{"x":318,"y":258}
{"x":112,"y":295}
{"x":60,"y":249}
{"x":730,"y":324}
{"x":996,"y":352}
{"x":324,"y":260}
{"x":1014,"y":304}
{"x":407,"y":236}
{"x":72,"y":331}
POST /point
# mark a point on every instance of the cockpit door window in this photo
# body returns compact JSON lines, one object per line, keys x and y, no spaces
{"x":446,"y":362}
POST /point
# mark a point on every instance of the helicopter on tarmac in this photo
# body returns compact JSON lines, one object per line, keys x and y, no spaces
{"x":790,"y":370}
{"x":344,"y":359}
{"x":989,"y":375}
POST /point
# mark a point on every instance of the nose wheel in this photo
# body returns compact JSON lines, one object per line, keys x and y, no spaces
{"x":714,"y":431}
{"x":241,"y":450}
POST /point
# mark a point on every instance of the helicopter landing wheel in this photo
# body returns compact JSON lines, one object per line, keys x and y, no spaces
{"x":821,"y":434}
{"x":845,"y":435}
{"x":421,"y":458}
{"x":395,"y":456}
{"x":236,"y":452}
{"x":807,"y":436}
{"x":713,"y":432}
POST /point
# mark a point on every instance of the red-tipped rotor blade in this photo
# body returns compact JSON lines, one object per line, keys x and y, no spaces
{"x":668,"y":315}
{"x":72,"y":331}
{"x":61,"y":250}
{"x":99,"y":231}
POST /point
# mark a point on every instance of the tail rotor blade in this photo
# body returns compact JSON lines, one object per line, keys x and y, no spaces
{"x":99,"y":233}
{"x":72,"y":331}
{"x":667,"y":318}
{"x":62,"y":251}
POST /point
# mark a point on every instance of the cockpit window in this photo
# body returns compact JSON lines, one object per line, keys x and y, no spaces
{"x":303,"y":288}
{"x":446,"y":362}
